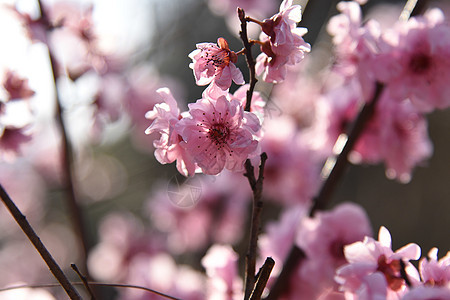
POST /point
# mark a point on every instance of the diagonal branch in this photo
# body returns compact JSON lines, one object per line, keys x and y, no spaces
{"x":37,"y":243}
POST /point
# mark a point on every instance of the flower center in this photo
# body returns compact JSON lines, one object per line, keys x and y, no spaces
{"x":391,"y":272}
{"x":420,"y":63}
{"x":337,"y":250}
{"x":218,"y":58}
{"x":219,"y":134}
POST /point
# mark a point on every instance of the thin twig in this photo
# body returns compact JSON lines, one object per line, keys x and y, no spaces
{"x":37,"y":243}
{"x":249,"y":57}
{"x":256,"y":185}
{"x":67,"y":161}
{"x":84,"y":280}
{"x":261,"y":278}
{"x":94,"y":283}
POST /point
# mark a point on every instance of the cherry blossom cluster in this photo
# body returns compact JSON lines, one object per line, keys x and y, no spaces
{"x":216,"y":132}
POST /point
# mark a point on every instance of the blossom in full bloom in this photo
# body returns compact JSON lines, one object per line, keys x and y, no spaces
{"x":219,"y":134}
{"x":214,"y":63}
{"x":425,"y":292}
{"x":404,"y":129}
{"x":414,"y":61}
{"x":165,"y":115}
{"x":435,"y":272}
{"x":374,"y":270}
{"x":281,"y":42}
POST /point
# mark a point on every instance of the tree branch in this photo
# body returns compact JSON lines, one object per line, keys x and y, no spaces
{"x":75,"y":211}
{"x":37,"y":243}
{"x":256,"y":185}
{"x":249,"y":57}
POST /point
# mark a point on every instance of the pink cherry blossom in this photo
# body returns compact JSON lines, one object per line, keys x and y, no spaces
{"x":291,"y":175}
{"x":11,"y":140}
{"x":257,"y":105}
{"x":16,"y":86}
{"x":355,"y":45}
{"x":218,"y":134}
{"x":165,"y":116}
{"x":414,"y":61}
{"x":399,"y":125}
{"x":281,"y":43}
{"x":221,"y":264}
{"x":375,"y":269}
{"x":323,"y":238}
{"x":209,"y":212}
{"x":428,"y":293}
{"x":435,"y":272}
{"x":214,"y":63}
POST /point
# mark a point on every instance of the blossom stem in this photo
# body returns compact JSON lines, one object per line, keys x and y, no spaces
{"x":67,"y":162}
{"x":242,"y":51}
{"x":250,"y":19}
{"x":40,"y":247}
{"x":256,"y":185}
{"x":248,"y":54}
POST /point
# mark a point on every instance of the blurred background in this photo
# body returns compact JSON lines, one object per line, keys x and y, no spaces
{"x":112,"y":57}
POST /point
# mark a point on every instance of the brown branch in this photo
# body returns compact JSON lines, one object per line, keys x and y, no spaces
{"x":256,"y":185}
{"x":261,"y":278}
{"x":84,"y":280}
{"x":67,"y":161}
{"x":249,"y":57}
{"x":37,"y":243}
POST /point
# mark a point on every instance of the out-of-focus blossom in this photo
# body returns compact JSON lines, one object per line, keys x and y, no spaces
{"x":427,"y":293}
{"x":322,"y":238}
{"x":11,"y":140}
{"x":201,"y":211}
{"x":221,"y":264}
{"x":414,"y":61}
{"x":374,"y":270}
{"x":166,"y":115}
{"x":399,"y":125}
{"x":291,"y":175}
{"x":214,"y":63}
{"x":281,"y":42}
{"x":280,"y":235}
{"x":355,"y":45}
{"x":16,"y":86}
{"x":161,"y":273}
{"x":26,"y":293}
{"x":219,"y":134}
{"x":122,"y":239}
{"x":435,"y":272}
